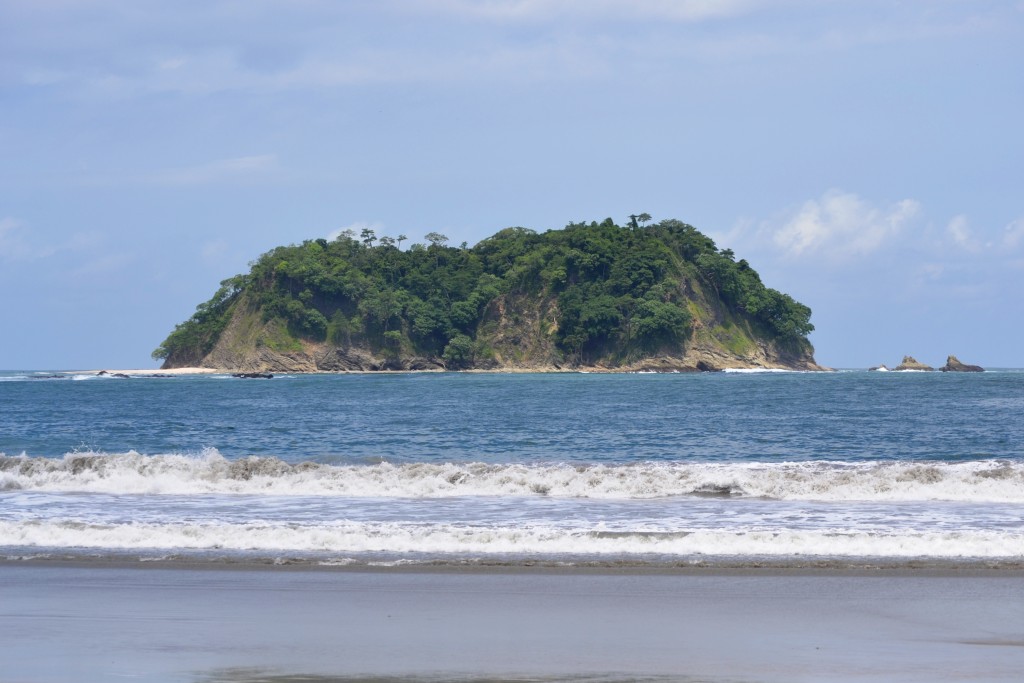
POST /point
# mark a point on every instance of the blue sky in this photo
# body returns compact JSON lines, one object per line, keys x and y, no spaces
{"x":866,"y":157}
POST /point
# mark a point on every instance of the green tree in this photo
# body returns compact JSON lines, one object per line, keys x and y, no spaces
{"x":436,"y":239}
{"x":660,"y":321}
{"x":459,"y":352}
{"x":339,"y":330}
{"x":392,"y":343}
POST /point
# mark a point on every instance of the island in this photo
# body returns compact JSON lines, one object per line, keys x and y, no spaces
{"x":593,"y":296}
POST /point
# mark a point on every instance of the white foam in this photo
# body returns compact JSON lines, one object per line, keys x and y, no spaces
{"x":750,"y":371}
{"x":998,"y":481}
{"x":449,"y":539}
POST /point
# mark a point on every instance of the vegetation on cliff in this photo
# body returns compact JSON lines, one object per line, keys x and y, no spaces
{"x":597,"y":293}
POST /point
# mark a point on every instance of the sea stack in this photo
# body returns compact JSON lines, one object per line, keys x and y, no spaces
{"x":953,"y":364}
{"x":910,"y":363}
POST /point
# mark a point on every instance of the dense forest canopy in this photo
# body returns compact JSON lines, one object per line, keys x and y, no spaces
{"x":616,"y":292}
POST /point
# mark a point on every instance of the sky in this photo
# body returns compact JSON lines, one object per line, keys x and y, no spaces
{"x":866,"y":157}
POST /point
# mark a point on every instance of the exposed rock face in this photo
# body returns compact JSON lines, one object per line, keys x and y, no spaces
{"x":336,"y":359}
{"x":315,"y":358}
{"x":953,"y":364}
{"x":909,"y":363}
{"x":318,"y":357}
{"x":521,"y":336}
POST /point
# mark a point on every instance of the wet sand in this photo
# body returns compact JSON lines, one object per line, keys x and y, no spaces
{"x":82,"y":622}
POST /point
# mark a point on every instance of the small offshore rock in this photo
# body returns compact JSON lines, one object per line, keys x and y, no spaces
{"x":953,"y":364}
{"x":910,"y":363}
{"x":253,"y":375}
{"x":879,"y":368}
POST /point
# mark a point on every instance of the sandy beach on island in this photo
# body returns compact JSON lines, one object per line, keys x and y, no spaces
{"x":153,"y":371}
{"x":85,"y":621}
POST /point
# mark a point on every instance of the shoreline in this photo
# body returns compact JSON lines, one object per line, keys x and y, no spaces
{"x":583,"y":370}
{"x":720,"y":567}
{"x":545,"y":370}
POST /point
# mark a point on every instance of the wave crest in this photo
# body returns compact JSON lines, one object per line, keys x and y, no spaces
{"x":440,"y":540}
{"x":209,"y":472}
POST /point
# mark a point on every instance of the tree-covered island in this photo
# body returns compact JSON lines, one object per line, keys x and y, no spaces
{"x":593,"y":295}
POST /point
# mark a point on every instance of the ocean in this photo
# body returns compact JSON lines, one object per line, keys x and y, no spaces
{"x":567,"y":470}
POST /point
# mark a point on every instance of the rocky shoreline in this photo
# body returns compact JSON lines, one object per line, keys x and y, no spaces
{"x":318,"y":358}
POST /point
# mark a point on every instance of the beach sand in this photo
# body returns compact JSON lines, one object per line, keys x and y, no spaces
{"x":172,"y":371}
{"x":92,"y":622}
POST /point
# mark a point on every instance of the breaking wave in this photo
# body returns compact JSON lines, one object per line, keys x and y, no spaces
{"x":449,"y":539}
{"x":998,"y":481}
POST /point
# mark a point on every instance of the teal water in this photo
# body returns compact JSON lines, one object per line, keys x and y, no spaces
{"x":727,"y":417}
{"x":468,"y":467}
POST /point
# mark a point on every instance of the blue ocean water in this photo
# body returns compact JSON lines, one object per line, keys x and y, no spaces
{"x":450,"y":467}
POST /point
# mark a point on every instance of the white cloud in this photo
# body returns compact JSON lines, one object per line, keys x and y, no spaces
{"x":172,"y":64}
{"x":965,"y":237}
{"x":102,"y":265}
{"x":329,"y":67}
{"x":210,"y":47}
{"x":222,"y":170}
{"x":17,"y":243}
{"x":959,"y":230}
{"x":220,"y":70}
{"x":841,"y":225}
{"x":1013,"y":235}
{"x":546,"y":10}
{"x":852,"y":249}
